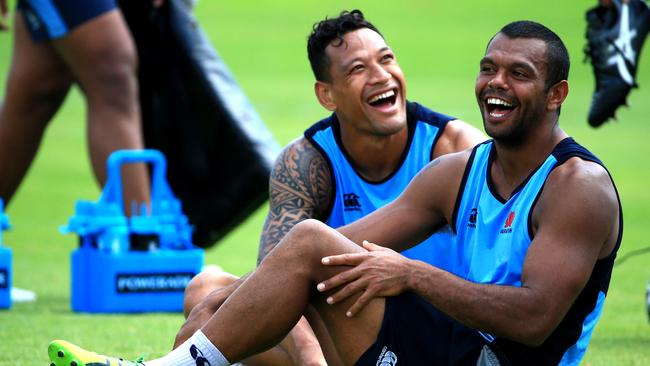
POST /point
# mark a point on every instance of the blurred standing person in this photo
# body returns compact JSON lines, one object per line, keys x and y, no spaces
{"x":58,"y":43}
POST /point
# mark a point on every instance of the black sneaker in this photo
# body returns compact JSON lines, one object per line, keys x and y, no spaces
{"x":615,"y":36}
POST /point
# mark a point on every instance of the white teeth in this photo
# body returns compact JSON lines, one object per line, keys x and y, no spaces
{"x":385,"y":95}
{"x":498,"y":101}
{"x":497,"y":115}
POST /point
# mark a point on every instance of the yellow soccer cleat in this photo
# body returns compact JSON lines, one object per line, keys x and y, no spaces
{"x":64,"y":353}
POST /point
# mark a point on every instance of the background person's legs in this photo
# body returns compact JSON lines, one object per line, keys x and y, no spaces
{"x":101,"y":55}
{"x":37,"y":84}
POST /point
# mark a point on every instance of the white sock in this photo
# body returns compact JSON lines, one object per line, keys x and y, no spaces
{"x":196,"y":351}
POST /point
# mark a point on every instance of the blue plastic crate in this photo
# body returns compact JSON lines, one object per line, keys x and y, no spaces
{"x":136,"y":264}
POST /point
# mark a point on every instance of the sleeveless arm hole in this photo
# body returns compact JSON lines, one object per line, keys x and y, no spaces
{"x":461,"y":190}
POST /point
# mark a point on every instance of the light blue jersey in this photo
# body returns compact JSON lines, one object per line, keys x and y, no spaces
{"x":354,"y":197}
{"x":495,"y":234}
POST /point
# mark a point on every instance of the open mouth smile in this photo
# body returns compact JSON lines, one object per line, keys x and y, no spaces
{"x":383,"y":100}
{"x":498,"y":108}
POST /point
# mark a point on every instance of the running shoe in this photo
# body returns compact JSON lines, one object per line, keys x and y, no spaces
{"x":615,"y":36}
{"x":63,"y":353}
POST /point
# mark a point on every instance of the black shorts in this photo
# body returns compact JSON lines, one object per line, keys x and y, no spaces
{"x":414,"y":332}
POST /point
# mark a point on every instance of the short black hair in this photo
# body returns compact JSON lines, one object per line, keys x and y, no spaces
{"x":557,"y":56}
{"x":328,"y":30}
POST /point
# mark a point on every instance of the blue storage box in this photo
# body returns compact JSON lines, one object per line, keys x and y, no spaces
{"x":5,"y":264}
{"x":136,"y":264}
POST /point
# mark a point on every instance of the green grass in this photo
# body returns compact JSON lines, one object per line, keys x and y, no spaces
{"x":438,"y":45}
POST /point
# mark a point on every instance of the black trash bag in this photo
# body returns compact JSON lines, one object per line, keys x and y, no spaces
{"x":218,"y":150}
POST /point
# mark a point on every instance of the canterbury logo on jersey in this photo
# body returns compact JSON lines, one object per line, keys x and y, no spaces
{"x":351,"y":202}
{"x":386,"y":358}
{"x":472,"y":218}
{"x":507,"y":226}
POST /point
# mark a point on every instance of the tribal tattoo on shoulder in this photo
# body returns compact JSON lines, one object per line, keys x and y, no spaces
{"x":300,"y":188}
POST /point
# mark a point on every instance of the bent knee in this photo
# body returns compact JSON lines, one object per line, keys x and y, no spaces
{"x":202,"y":285}
{"x":312,"y":238}
{"x":308,"y":229}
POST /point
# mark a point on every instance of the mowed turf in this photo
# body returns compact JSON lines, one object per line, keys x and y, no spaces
{"x":438,"y":45}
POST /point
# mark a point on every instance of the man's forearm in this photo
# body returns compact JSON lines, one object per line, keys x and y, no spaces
{"x":507,"y":311}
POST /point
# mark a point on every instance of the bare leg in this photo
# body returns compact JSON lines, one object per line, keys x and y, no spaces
{"x":101,"y":55}
{"x":203,"y":284}
{"x":37,"y":84}
{"x":276,"y":295}
{"x":205,"y":293}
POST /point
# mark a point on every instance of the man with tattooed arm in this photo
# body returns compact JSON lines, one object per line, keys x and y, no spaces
{"x":345,"y":166}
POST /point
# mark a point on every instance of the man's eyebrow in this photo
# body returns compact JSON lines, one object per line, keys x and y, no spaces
{"x":352,"y":61}
{"x":347,"y":64}
{"x":521,"y":64}
{"x":525,"y":65}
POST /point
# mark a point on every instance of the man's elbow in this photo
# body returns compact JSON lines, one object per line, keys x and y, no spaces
{"x":534,"y":332}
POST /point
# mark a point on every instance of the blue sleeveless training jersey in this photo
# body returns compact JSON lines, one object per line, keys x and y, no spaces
{"x":494,"y":235}
{"x":354,"y":197}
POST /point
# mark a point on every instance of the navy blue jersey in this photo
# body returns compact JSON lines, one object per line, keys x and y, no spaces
{"x":355,"y":197}
{"x":494,"y":235}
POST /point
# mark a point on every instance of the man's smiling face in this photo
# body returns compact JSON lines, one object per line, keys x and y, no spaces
{"x":510,"y":87}
{"x":366,"y":86}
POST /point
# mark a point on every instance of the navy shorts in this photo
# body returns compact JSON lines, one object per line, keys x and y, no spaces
{"x":414,"y":332}
{"x":52,"y":19}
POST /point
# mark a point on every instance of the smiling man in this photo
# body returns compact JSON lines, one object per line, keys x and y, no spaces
{"x":530,"y":269}
{"x":345,"y":166}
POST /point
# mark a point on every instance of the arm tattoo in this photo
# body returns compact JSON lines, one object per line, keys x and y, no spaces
{"x":300,"y":188}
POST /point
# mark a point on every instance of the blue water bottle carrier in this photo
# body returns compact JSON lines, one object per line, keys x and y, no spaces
{"x":5,"y":263}
{"x":140,"y":263}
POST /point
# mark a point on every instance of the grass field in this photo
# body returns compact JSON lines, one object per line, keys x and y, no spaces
{"x":438,"y":44}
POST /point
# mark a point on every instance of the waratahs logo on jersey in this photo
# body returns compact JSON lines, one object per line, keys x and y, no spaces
{"x":507,"y":226}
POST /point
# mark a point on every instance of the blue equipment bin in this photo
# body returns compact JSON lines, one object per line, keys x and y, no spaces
{"x":5,"y":264}
{"x":136,"y":264}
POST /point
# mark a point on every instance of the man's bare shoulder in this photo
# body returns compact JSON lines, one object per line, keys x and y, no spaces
{"x":581,"y":196}
{"x":457,"y":136}
{"x":585,"y":175}
{"x":302,"y":169}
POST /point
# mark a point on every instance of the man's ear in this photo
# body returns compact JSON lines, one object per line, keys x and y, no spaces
{"x":324,"y":94}
{"x":556,"y":95}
